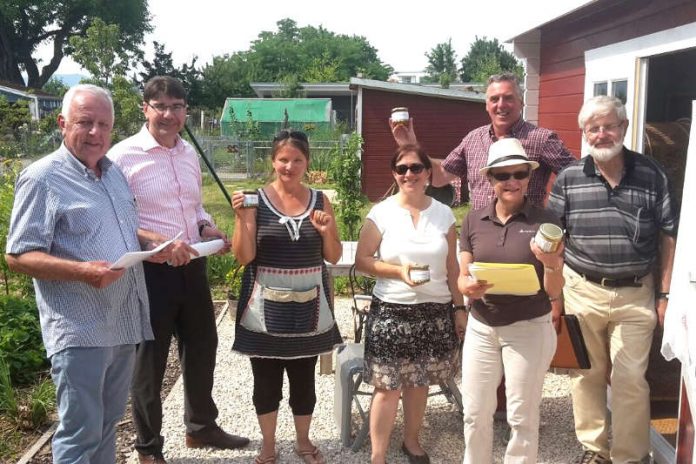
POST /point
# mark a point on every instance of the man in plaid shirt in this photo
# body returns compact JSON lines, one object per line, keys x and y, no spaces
{"x":504,"y":106}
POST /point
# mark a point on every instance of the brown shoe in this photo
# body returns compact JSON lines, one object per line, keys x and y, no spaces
{"x":216,"y":437}
{"x":590,"y":457}
{"x":151,"y":459}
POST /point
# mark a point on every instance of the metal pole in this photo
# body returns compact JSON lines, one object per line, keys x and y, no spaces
{"x":207,"y":163}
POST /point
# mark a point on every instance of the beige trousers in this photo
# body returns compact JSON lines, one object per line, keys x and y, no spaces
{"x":618,"y":325}
{"x":522,"y":351}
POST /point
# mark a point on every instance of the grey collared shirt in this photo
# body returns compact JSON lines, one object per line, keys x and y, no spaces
{"x":63,"y":209}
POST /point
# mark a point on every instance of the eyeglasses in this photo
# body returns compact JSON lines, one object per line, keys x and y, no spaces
{"x":161,"y":108}
{"x":415,"y":168}
{"x":503,"y":176}
{"x":594,"y":130}
{"x":290,"y":134}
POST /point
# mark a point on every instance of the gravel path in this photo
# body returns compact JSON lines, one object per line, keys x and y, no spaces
{"x":441,"y":435}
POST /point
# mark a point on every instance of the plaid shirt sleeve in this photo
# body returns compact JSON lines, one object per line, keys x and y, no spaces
{"x":455,"y":163}
{"x":554,"y":154}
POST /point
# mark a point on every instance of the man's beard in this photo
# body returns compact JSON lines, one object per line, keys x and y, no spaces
{"x":605,"y":154}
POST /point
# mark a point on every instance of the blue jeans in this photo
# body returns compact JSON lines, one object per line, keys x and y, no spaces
{"x":92,"y":391}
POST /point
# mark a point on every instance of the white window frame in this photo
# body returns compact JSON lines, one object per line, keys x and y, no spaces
{"x":628,"y":60}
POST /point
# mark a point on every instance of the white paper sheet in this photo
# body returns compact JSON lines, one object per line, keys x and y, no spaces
{"x":207,"y":248}
{"x":134,"y":257}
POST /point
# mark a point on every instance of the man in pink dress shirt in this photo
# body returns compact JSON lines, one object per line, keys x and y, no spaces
{"x":163,"y":172}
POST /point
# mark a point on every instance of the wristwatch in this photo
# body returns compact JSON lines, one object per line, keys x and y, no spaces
{"x":202,"y":225}
{"x":662,"y":296}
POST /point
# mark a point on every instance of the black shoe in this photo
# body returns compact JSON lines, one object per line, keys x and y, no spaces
{"x":415,"y":458}
{"x":216,"y":437}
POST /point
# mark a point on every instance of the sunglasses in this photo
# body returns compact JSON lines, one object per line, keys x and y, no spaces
{"x":503,"y":176}
{"x":415,"y":168}
{"x":290,"y":134}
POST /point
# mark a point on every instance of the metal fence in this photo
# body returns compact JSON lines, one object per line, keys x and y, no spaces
{"x":242,"y":159}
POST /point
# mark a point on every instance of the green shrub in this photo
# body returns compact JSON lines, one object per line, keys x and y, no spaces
{"x":345,"y":172}
{"x":9,"y":170}
{"x":41,"y":401}
{"x":234,"y":282}
{"x":20,"y":339}
{"x":8,"y":399}
{"x":218,"y":268}
{"x":26,"y":408}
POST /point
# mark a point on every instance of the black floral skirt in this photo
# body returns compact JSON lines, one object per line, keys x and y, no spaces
{"x":409,"y":345}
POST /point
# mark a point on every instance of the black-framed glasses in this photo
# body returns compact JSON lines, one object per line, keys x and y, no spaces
{"x":415,"y":168}
{"x":503,"y":176}
{"x":161,"y":108}
{"x":290,"y":134}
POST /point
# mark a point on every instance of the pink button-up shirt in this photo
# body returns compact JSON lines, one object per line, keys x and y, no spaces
{"x":166,"y":183}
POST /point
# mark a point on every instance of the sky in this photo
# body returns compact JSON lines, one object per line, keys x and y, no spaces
{"x":401,"y":33}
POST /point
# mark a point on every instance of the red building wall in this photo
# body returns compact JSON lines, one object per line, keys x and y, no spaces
{"x":440,"y":124}
{"x":564,"y":42}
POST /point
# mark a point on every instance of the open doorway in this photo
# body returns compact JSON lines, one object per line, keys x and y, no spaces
{"x":671,"y":87}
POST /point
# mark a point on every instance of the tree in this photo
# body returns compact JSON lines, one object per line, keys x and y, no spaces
{"x":487,"y":57}
{"x":25,"y":24}
{"x":291,"y":54}
{"x":442,"y":64}
{"x":127,"y":107}
{"x":55,"y":86}
{"x":162,"y":64}
{"x":226,"y":76}
{"x":101,"y":53}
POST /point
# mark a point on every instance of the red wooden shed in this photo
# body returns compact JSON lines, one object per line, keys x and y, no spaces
{"x":643,"y":52}
{"x":442,"y":117}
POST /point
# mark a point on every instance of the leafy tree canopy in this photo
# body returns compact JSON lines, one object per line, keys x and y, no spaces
{"x":55,"y":86}
{"x":292,"y":54}
{"x":27,"y":24}
{"x":162,"y":64}
{"x":442,"y":64}
{"x":487,"y":57}
{"x":101,"y":52}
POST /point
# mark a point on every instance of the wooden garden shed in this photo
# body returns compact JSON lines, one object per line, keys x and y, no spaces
{"x":643,"y":52}
{"x":442,"y":118}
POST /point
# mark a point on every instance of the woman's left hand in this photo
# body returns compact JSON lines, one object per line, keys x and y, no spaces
{"x":321,"y":220}
{"x":461,"y":318}
{"x":552,"y":260}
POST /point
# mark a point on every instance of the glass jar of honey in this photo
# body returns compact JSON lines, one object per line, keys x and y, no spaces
{"x":399,"y":116}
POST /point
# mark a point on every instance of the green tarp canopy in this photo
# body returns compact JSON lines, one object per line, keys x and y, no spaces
{"x":270,"y":113}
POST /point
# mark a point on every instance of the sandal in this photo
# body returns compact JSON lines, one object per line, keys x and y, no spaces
{"x":311,"y":456}
{"x":266,"y":460}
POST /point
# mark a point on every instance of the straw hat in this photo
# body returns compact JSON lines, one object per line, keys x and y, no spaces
{"x":507,"y":152}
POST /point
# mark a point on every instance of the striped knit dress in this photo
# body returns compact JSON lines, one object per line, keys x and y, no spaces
{"x":285,"y":308}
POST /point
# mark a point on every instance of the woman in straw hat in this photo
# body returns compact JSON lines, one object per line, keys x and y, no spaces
{"x":509,"y":335}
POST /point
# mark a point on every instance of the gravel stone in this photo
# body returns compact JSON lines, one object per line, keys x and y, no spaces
{"x":442,"y":434}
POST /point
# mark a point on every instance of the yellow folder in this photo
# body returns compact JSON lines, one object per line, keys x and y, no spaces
{"x":507,"y":279}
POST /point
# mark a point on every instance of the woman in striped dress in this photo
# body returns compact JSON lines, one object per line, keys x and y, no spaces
{"x":285,"y":313}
